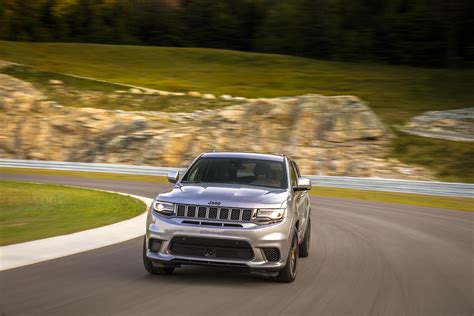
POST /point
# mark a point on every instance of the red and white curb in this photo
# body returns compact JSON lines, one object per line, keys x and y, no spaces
{"x":18,"y":255}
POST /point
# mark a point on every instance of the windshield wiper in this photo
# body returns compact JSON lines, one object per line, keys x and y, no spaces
{"x":190,"y":181}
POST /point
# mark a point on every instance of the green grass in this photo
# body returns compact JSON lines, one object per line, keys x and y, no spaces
{"x":451,"y":161}
{"x":31,"y":211}
{"x":394,"y":92}
{"x":41,"y":78}
{"x":80,"y":92}
{"x":451,"y":203}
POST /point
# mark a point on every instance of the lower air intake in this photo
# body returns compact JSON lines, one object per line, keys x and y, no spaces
{"x":211,"y":248}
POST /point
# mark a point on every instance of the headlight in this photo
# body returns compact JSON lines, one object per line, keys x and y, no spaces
{"x":163,"y":207}
{"x":271,"y":213}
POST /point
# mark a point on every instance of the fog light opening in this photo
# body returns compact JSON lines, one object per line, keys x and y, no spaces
{"x":154,"y":245}
{"x":272,"y":254}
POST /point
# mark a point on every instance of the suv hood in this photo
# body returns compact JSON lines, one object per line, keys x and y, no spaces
{"x":229,"y":195}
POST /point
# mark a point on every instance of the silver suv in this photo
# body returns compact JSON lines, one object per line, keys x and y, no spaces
{"x":233,"y":210}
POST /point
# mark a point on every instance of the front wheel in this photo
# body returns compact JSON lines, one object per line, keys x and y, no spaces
{"x":149,"y":266}
{"x":288,"y":273}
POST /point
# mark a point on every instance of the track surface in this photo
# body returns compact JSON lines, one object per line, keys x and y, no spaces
{"x":366,"y":258}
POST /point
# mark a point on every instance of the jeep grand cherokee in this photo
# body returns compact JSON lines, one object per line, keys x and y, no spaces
{"x":234,"y":210}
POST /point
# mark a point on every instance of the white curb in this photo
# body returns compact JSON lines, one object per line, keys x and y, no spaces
{"x":35,"y":251}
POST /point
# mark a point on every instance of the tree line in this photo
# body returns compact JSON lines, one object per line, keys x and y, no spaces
{"x":434,"y":33}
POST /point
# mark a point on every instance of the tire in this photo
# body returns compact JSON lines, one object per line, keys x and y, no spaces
{"x":152,"y":269}
{"x":288,"y":273}
{"x":304,"y":247}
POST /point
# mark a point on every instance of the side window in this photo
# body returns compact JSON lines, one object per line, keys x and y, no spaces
{"x":298,"y":174}
{"x":293,"y":174}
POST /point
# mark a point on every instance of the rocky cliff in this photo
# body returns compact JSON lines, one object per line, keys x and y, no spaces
{"x":327,"y":135}
{"x":455,"y":125}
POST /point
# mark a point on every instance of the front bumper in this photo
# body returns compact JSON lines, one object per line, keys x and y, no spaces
{"x":275,"y":235}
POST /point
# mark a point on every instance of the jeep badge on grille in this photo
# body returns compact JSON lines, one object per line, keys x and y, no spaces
{"x":214,"y":203}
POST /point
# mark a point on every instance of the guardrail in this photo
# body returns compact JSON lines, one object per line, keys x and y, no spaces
{"x":87,"y":166}
{"x":376,"y":184}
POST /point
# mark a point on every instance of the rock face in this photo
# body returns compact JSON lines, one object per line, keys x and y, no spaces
{"x":326,"y":135}
{"x":456,"y":125}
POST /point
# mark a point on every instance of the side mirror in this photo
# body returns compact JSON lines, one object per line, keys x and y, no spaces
{"x":173,"y":176}
{"x":303,"y":184}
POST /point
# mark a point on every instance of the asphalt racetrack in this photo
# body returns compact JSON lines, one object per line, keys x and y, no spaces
{"x":366,"y":258}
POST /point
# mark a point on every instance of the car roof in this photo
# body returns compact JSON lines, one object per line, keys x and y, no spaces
{"x":243,"y":155}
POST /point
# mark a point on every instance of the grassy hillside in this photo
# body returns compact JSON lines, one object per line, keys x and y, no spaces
{"x":451,"y":161}
{"x":395,"y":93}
{"x":80,"y":92}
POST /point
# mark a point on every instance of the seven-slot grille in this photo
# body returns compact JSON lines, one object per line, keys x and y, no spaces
{"x":212,"y":212}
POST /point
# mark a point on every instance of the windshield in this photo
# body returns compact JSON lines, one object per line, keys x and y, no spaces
{"x":257,"y":172}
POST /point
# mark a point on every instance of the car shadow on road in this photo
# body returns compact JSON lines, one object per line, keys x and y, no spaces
{"x":196,"y":275}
